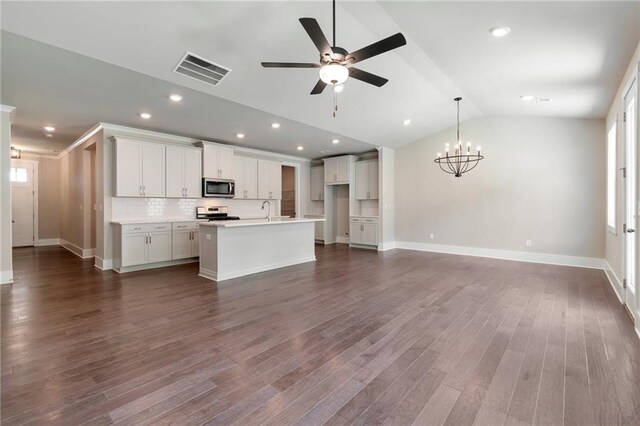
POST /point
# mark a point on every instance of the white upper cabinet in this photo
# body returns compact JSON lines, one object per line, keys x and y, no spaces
{"x":317,"y":183}
{"x":184,"y":176}
{"x":269,"y":180}
{"x":139,"y":168}
{"x":217,"y":161}
{"x":337,"y":169}
{"x":367,"y":180}
{"x":245,"y":174}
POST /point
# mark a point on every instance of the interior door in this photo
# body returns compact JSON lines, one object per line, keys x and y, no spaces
{"x":22,"y":203}
{"x":631,"y":203}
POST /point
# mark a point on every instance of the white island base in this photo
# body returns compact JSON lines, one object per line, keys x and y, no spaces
{"x":232,"y":249}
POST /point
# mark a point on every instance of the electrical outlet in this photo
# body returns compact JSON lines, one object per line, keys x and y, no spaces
{"x":207,"y":237}
{"x":528,"y":243}
{"x":431,"y":237}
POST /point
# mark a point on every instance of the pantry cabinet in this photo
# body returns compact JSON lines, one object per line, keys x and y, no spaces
{"x":367,"y":180}
{"x":183,"y":172}
{"x":217,"y":161}
{"x":139,"y":168}
{"x":269,"y":180}
{"x":245,"y":174}
{"x":317,"y":183}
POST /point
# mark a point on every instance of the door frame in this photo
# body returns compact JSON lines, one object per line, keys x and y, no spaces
{"x":634,"y":307}
{"x":35,"y":164}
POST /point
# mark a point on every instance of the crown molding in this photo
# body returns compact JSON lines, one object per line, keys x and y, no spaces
{"x":11,"y":110}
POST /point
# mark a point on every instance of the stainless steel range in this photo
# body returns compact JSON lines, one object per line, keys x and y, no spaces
{"x":214,"y":213}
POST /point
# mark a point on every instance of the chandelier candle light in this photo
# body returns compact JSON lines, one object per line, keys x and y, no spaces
{"x":460,"y":162}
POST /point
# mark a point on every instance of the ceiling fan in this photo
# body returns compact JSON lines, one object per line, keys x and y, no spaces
{"x":335,"y":62}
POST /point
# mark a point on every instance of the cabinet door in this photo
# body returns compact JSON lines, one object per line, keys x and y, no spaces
{"x":195,"y":244}
{"x":159,"y":247}
{"x":210,"y":161}
{"x":362,"y":180}
{"x":153,"y":171}
{"x":317,"y":183}
{"x":181,"y":244}
{"x":276,"y":181}
{"x":192,"y":173}
{"x":264,"y":179}
{"x":370,"y":234}
{"x":128,"y":168}
{"x":330,"y":170}
{"x":174,"y":172}
{"x":251,"y":177}
{"x":342,"y":169}
{"x":134,"y":249}
{"x":225,"y":162}
{"x":355,"y":233}
{"x":238,"y":177}
{"x":372,"y":180}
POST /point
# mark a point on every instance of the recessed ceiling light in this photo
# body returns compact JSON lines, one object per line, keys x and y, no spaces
{"x":240,"y":135}
{"x":527,"y":98}
{"x":275,"y":125}
{"x":300,"y":148}
{"x":500,"y":31}
{"x":406,"y":122}
{"x":335,"y":141}
{"x":50,"y":128}
{"x":145,"y":115}
{"x":175,"y":98}
{"x":48,"y":135}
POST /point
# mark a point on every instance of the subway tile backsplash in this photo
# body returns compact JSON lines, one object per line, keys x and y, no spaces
{"x":182,"y":208}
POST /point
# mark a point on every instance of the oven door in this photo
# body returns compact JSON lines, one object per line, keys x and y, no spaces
{"x":218,"y":188}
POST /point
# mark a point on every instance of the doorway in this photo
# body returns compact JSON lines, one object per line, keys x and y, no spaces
{"x":288,"y":207}
{"x":630,"y":197}
{"x":24,"y":199}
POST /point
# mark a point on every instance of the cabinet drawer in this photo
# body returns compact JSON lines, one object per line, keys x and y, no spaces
{"x":145,"y":227}
{"x":363,"y":219}
{"x":185,"y":226}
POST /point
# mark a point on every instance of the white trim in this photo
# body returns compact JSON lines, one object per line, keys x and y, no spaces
{"x":6,"y":277}
{"x":389,"y":245}
{"x":102,"y":264}
{"x":11,"y":110}
{"x":47,"y":242}
{"x":613,"y":280}
{"x":215,"y":276}
{"x":82,"y":139}
{"x":80,"y":252}
{"x":341,"y":240}
{"x":552,"y":259}
{"x":143,"y":267}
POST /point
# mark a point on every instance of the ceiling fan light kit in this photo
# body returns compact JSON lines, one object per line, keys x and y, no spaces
{"x":336,"y":63}
{"x":460,"y":162}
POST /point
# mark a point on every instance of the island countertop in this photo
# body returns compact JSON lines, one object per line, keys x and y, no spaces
{"x":258,"y":222}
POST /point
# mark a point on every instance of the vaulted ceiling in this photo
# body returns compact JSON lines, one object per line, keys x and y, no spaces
{"x":73,"y":64}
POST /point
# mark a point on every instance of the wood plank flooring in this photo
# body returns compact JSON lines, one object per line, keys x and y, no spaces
{"x":359,"y":337}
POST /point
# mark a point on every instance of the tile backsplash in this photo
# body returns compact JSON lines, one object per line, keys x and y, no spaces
{"x":182,"y":208}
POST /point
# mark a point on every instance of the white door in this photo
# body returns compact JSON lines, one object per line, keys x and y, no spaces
{"x":226,"y":162}
{"x":175,"y":172}
{"x":128,"y":168}
{"x":153,"y":170}
{"x":251,"y":177}
{"x":134,"y":249}
{"x":22,"y":200}
{"x":181,"y":247}
{"x":159,"y":247}
{"x":631,"y":203}
{"x":192,"y":173}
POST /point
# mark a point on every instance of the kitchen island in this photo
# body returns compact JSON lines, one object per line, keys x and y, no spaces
{"x":235,"y":248}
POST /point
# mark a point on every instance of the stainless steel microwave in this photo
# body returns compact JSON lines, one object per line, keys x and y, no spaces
{"x":218,"y":188}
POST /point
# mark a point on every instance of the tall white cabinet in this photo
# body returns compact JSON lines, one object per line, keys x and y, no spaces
{"x":245,"y":174}
{"x":269,"y":180}
{"x":183,"y":172}
{"x":139,"y":168}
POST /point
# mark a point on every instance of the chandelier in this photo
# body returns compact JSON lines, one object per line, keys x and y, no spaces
{"x":460,"y":162}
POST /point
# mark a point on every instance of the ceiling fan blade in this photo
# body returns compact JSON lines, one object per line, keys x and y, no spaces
{"x":319,"y":87}
{"x":382,"y":46}
{"x":312,"y":28}
{"x":367,"y":77}
{"x":289,"y":65}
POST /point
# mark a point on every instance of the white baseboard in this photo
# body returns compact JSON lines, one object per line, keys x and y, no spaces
{"x":144,"y":267}
{"x":47,"y":242}
{"x":389,"y":245}
{"x":215,"y":276}
{"x":615,"y":282}
{"x":6,"y":277}
{"x":342,"y":240}
{"x":80,"y":252}
{"x":552,"y":259}
{"x":102,"y":264}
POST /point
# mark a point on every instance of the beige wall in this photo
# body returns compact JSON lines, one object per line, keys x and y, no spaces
{"x":614,"y":241}
{"x":6,"y":257}
{"x":542,"y":180}
{"x":48,"y":196}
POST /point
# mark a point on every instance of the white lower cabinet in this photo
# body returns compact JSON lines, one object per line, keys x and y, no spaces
{"x":363,"y":231}
{"x":152,"y":245}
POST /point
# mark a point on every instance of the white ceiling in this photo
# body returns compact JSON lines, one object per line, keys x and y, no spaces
{"x":572,"y":52}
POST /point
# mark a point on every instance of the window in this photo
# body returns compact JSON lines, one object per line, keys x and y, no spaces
{"x":611,"y":178}
{"x":18,"y":174}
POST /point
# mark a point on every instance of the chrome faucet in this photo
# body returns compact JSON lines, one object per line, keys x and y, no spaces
{"x":268,"y":211}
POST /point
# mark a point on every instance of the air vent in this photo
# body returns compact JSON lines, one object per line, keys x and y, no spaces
{"x":201,"y":69}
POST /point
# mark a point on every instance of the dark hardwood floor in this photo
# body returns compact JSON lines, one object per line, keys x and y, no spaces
{"x":358,"y":337}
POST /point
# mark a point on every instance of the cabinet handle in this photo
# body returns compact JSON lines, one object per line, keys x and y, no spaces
{"x":149,"y":239}
{"x":143,"y":190}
